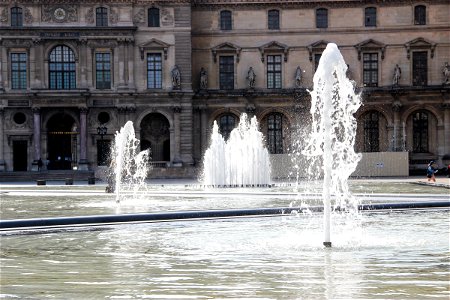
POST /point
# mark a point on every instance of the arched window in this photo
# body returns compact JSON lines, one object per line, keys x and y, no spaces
{"x":420,"y":132}
{"x":225,"y":20}
{"x":275,"y":133}
{"x":226,"y":125}
{"x":273,"y":17}
{"x":61,"y":66}
{"x":322,"y":18}
{"x":420,"y":15}
{"x":16,"y":17}
{"x":370,"y":17}
{"x":101,"y":15}
{"x":153,"y":17}
{"x":372,"y":132}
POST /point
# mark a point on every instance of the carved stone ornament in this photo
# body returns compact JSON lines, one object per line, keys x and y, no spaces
{"x":59,"y":13}
{"x":139,"y":17}
{"x":166,"y":17}
{"x":113,"y":16}
{"x":89,"y":17}
{"x":27,"y":16}
{"x":4,"y":15}
{"x":102,"y":43}
{"x":22,"y":43}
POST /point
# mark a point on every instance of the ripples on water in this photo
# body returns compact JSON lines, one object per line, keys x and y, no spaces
{"x":395,"y":255}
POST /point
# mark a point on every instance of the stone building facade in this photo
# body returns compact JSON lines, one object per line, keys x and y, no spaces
{"x":71,"y":74}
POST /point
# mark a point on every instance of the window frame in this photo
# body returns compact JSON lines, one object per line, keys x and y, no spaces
{"x":226,"y":20}
{"x":322,"y":18}
{"x":16,"y":14}
{"x":22,"y":74}
{"x":155,"y":71}
{"x":275,"y":134}
{"x":101,"y":16}
{"x":68,"y":78}
{"x":104,"y":72}
{"x":274,"y":76}
{"x":273,"y":20}
{"x":153,"y":17}
{"x":370,"y":17}
{"x":421,"y":137}
{"x":370,"y":70}
{"x":226,"y":76}
{"x":226,"y":125}
{"x":419,"y":68}
{"x":420,"y":15}
{"x":371,"y":127}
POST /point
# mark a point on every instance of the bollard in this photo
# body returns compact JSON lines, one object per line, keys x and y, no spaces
{"x":40,"y":182}
{"x":69,"y":181}
{"x":91,"y":180}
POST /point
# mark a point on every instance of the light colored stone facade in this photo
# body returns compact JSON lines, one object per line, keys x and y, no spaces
{"x":176,"y":121}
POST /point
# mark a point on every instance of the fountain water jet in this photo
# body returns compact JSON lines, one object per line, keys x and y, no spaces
{"x":333,"y":132}
{"x":130,"y":166}
{"x":241,"y":161}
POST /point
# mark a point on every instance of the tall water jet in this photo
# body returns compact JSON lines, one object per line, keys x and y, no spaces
{"x":333,"y":131}
{"x":130,"y":166}
{"x":243,"y":160}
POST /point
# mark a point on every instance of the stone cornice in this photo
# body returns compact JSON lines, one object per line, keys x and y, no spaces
{"x":113,"y":2}
{"x":214,"y":4}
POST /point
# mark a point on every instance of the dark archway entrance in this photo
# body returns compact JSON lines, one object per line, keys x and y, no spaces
{"x":20,"y":155}
{"x":156,"y":135}
{"x":62,"y":142}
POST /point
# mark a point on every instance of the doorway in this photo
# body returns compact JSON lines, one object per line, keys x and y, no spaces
{"x":20,"y":155}
{"x":61,"y":142}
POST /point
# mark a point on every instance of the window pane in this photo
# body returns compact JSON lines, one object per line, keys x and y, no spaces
{"x":225,"y":20}
{"x":370,"y":69}
{"x":322,"y":18}
{"x":274,"y":19}
{"x":62,"y":68}
{"x":420,"y":132}
{"x":103,"y":71}
{"x":420,"y":68}
{"x":420,"y":16}
{"x":370,"y":16}
{"x":274,"y":71}
{"x":18,"y":70}
{"x":101,"y":16}
{"x":154,"y":71}
{"x":371,"y":132}
{"x":275,"y":133}
{"x":226,"y":72}
{"x":16,"y":17}
{"x":153,"y":17}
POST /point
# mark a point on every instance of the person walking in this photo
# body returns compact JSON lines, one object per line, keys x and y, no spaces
{"x":431,"y":170}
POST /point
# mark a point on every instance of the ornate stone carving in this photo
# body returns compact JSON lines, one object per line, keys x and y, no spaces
{"x":176,"y":78}
{"x":396,"y":105}
{"x":113,"y":16}
{"x":251,"y":78}
{"x":166,"y":17}
{"x":446,"y":73}
{"x":397,"y":75}
{"x":8,"y":43}
{"x":27,"y":16}
{"x":4,"y":15}
{"x":298,"y":77}
{"x":139,"y":17}
{"x":89,"y":17}
{"x":59,"y":13}
{"x":102,"y":43}
{"x":203,"y":79}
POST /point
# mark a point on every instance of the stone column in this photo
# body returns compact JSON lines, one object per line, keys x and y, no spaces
{"x":121,"y":55}
{"x":397,"y":138}
{"x":177,"y":136}
{"x":1,"y":77}
{"x":130,"y":54}
{"x":36,"y":137}
{"x":204,"y":129}
{"x":83,"y":63}
{"x":83,"y":163}
{"x":2,"y":136}
{"x":446,"y":143}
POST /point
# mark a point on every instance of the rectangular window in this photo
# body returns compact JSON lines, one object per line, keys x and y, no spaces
{"x":370,"y":19}
{"x":18,"y":71}
{"x":420,"y":15}
{"x":154,"y":71}
{"x":103,"y":70}
{"x":16,"y":17}
{"x":225,"y":20}
{"x":101,"y":14}
{"x":370,"y":69}
{"x":317,"y":57}
{"x":274,"y":71}
{"x":322,"y":18}
{"x":420,"y":68}
{"x":226,"y":72}
{"x":274,"y":19}
{"x":153,"y":17}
